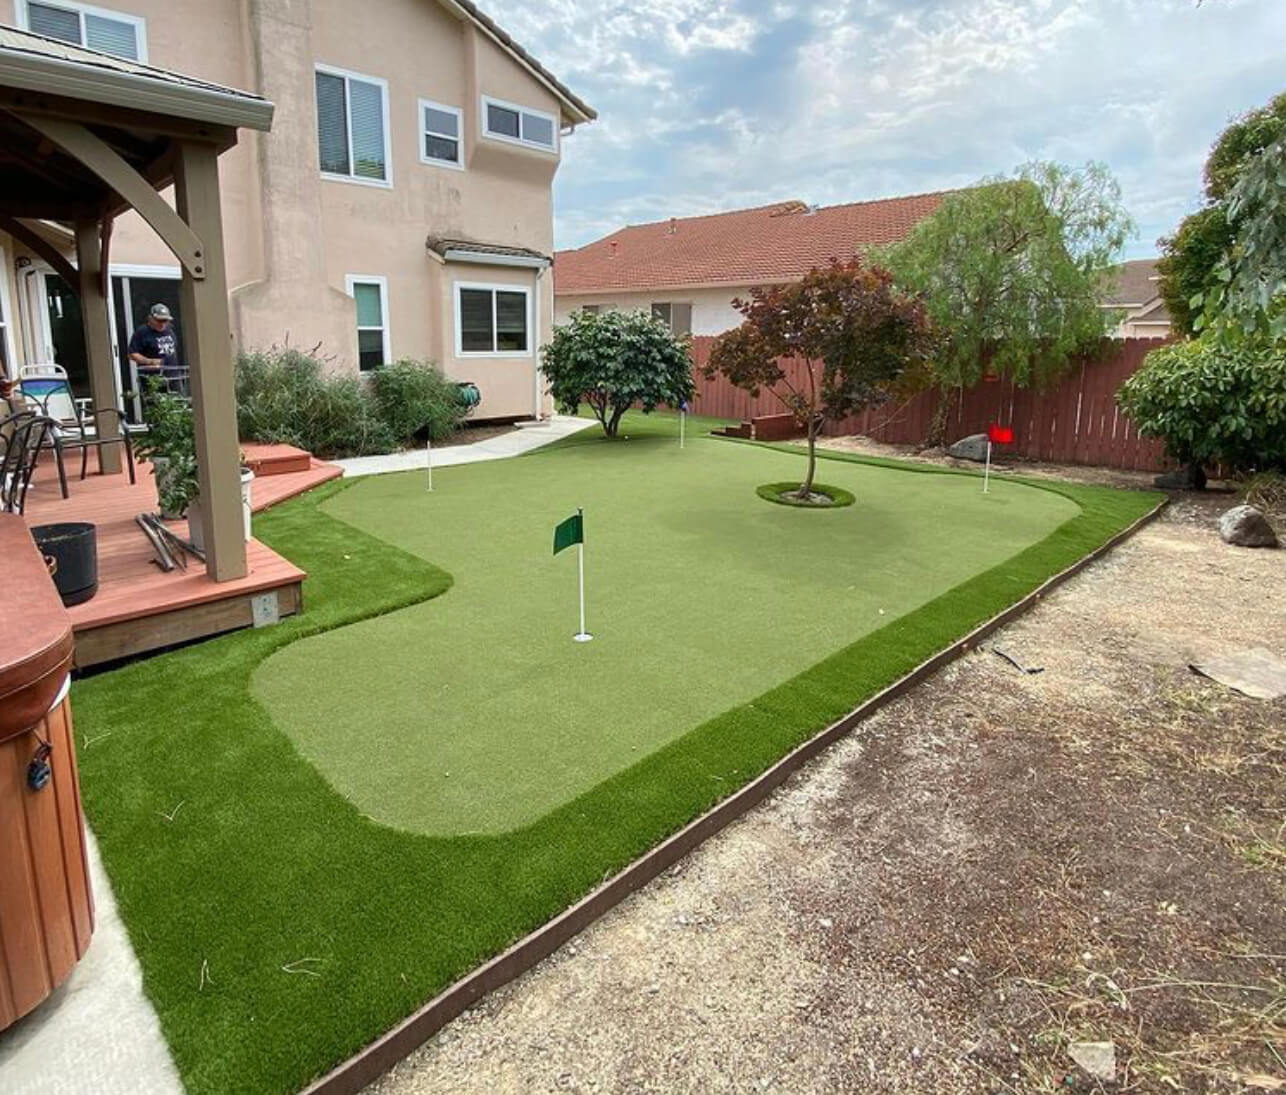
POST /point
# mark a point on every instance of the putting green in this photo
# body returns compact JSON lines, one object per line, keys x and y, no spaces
{"x":475,"y":712}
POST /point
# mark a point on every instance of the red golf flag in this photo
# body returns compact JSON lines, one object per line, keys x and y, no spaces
{"x":1000,"y":435}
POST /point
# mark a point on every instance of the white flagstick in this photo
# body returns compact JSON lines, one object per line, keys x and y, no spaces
{"x":986,"y":475}
{"x":683,"y":418}
{"x":428,"y":453}
{"x":582,"y":636}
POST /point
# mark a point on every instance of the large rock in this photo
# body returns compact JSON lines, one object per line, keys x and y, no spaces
{"x":1246,"y":526}
{"x":1096,"y":1058}
{"x":973,"y":447}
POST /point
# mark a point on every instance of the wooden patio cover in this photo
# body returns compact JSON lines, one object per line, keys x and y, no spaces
{"x":84,"y":136}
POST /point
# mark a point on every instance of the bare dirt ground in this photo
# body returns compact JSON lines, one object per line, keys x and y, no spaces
{"x":468,"y":434}
{"x":1076,"y":473}
{"x":992,"y":867}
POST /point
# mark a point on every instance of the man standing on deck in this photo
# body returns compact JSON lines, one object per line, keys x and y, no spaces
{"x":154,"y":345}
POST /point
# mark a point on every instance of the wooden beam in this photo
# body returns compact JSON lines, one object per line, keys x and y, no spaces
{"x":207,"y":341}
{"x":79,"y":143}
{"x":42,"y":247}
{"x":105,"y":114}
{"x":55,"y":209}
{"x":92,"y":262}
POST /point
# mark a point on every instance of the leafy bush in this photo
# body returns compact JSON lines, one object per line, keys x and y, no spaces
{"x":614,"y":360}
{"x":284,"y":397}
{"x":1211,"y":402}
{"x":170,"y":439}
{"x":414,"y":398}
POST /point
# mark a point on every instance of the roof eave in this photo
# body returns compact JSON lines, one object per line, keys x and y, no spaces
{"x":132,"y":91}
{"x":573,"y":105}
{"x":491,"y":258}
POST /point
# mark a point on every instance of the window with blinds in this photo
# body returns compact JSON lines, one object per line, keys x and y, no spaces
{"x":677,"y":316}
{"x":519,"y":124}
{"x":492,"y":320}
{"x":370,"y":294}
{"x":443,"y":133}
{"x":107,"y":31}
{"x":352,"y":127}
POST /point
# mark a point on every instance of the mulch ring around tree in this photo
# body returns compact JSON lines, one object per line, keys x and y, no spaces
{"x":822,"y":496}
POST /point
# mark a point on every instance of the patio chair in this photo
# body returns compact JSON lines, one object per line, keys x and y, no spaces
{"x":22,"y":436}
{"x":75,"y":429}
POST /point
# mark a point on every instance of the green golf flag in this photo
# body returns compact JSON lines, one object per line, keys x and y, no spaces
{"x":569,"y":532}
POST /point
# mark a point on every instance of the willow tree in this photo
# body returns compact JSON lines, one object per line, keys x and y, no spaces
{"x":853,"y":332}
{"x":1012,"y":272}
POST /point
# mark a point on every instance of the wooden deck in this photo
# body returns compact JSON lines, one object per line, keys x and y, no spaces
{"x":138,"y":607}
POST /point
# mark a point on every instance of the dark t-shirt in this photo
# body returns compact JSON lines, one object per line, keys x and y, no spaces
{"x":149,"y":342}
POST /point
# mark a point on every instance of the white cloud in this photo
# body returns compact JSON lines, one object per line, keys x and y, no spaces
{"x":712,"y":106}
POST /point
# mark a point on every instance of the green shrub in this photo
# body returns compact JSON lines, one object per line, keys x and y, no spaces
{"x":285,"y":397}
{"x":414,"y":399}
{"x":614,"y":361}
{"x":1211,"y":402}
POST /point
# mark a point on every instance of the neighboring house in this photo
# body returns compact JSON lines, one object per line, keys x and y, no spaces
{"x":688,"y":270}
{"x":1134,"y":293}
{"x":400,"y":207}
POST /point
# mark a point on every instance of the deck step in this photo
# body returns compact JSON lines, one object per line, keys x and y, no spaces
{"x":266,"y":460}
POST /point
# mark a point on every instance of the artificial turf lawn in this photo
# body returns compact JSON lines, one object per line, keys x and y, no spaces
{"x":265,"y":865}
{"x":476,"y":712}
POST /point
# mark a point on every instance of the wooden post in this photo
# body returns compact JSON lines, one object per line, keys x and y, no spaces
{"x":98,"y":338}
{"x":207,"y":344}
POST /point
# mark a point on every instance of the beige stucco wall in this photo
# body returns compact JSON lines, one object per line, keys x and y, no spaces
{"x":292,"y":237}
{"x":712,"y":310}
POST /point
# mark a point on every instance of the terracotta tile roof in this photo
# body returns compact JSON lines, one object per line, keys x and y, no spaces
{"x":1132,"y":283}
{"x":770,"y":243}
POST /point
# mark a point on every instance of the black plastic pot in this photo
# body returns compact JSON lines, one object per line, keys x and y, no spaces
{"x":73,"y":545}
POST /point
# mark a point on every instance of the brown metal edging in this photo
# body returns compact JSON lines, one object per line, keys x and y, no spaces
{"x":374,"y":1060}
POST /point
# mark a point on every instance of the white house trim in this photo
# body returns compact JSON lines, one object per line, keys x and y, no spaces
{"x":422,"y":132}
{"x":460,"y":351}
{"x":489,"y":258}
{"x":7,"y":313}
{"x":504,"y":138}
{"x":382,"y":282}
{"x":136,"y":21}
{"x":382,"y":184}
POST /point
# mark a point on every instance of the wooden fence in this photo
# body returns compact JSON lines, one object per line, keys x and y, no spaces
{"x":1075,"y":421}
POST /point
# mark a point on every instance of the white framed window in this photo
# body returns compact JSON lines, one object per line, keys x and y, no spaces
{"x":492,"y":320}
{"x":441,"y":135}
{"x":370,"y":294}
{"x":353,"y":142}
{"x":516,"y":124}
{"x":674,"y":314}
{"x":85,"y":25}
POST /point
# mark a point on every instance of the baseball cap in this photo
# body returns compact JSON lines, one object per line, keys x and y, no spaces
{"x":160,"y":311}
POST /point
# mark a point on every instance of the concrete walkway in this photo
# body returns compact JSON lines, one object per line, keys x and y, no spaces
{"x":97,"y":1034}
{"x":522,"y":440}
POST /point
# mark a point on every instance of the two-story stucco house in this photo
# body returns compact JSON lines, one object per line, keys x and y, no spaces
{"x":400,"y":207}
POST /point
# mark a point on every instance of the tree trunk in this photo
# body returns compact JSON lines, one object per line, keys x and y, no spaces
{"x":613,"y":424}
{"x":938,"y":424}
{"x":806,"y":487}
{"x":600,"y":412}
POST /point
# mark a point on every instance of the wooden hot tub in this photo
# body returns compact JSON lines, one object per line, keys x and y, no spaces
{"x":46,"y":909}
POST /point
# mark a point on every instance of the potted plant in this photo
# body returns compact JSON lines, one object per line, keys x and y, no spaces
{"x":170,"y":444}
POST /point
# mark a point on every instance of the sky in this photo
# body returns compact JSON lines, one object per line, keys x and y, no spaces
{"x":707,"y":105}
